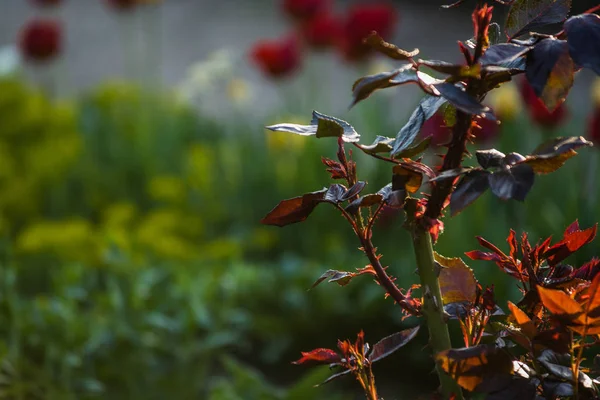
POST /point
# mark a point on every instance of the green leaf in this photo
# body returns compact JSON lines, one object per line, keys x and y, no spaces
{"x":321,"y":126}
{"x":381,"y":144}
{"x":527,"y":15}
{"x":425,"y":110}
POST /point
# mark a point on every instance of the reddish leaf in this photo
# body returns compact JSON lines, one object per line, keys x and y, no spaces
{"x":572,"y":241}
{"x":457,"y":281}
{"x":294,"y":210}
{"x":390,"y":344}
{"x":335,"y":168}
{"x":588,"y":270}
{"x":324,"y":356}
{"x":406,"y":178}
{"x":552,"y":154}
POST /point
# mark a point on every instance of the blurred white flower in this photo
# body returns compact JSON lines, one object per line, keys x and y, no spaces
{"x":10,"y":60}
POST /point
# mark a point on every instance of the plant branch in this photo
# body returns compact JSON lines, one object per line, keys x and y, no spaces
{"x":439,"y":338}
{"x":384,"y":279}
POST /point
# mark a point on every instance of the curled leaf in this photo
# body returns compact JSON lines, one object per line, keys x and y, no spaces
{"x":321,"y":126}
{"x":324,"y":356}
{"x":294,"y":210}
{"x":377,"y":43}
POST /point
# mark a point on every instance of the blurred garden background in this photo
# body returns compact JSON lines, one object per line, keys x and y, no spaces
{"x":135,"y":169}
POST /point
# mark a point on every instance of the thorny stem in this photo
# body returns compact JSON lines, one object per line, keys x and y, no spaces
{"x":439,"y":338}
{"x":432,"y":298}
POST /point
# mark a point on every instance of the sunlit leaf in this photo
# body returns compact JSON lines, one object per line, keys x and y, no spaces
{"x":377,"y":43}
{"x":321,"y":126}
{"x":323,"y":356}
{"x":415,"y":150}
{"x":512,"y":183}
{"x":551,"y":155}
{"x":503,"y":53}
{"x":457,"y":280}
{"x":456,"y":70}
{"x":471,"y":186}
{"x":483,"y":368}
{"x":459,"y":98}
{"x":561,"y":304}
{"x":572,"y":241}
{"x":294,"y":210}
{"x":583,"y":36}
{"x":342,"y":278}
{"x":365,"y":86}
{"x":427,"y":107}
{"x":527,"y":15}
{"x":392,"y":343}
{"x":408,"y":179}
{"x":525,"y":323}
{"x":550,"y":71}
{"x":381,"y":144}
{"x":364,"y":201}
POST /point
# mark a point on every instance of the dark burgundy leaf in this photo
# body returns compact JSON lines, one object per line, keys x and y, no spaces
{"x":528,"y":15}
{"x":489,"y":158}
{"x":518,"y":389}
{"x":321,"y":126}
{"x":553,"y":389}
{"x":335,"y":376}
{"x":377,"y":43}
{"x":451,"y":173}
{"x":503,"y":53}
{"x":428,"y":106}
{"x":365,"y":86}
{"x":558,"y":365}
{"x":354,"y":190}
{"x":583,"y":36}
{"x":294,"y":210}
{"x":336,"y":169}
{"x":470,"y":187}
{"x":459,"y":98}
{"x":393,"y":198}
{"x":364,"y":201}
{"x":550,"y":71}
{"x":512,"y":183}
{"x":588,"y":270}
{"x":390,"y":344}
{"x":335,"y":193}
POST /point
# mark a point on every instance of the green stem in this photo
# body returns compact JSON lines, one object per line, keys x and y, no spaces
{"x":439,"y":338}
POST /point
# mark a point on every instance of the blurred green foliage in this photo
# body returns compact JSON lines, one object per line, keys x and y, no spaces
{"x":134,"y":265}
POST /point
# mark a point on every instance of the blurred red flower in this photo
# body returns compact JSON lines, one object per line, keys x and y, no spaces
{"x":321,"y":31}
{"x":538,"y":111}
{"x":40,"y":39}
{"x":277,"y":58}
{"x":435,"y":127}
{"x":594,"y":126}
{"x":360,"y":21}
{"x":304,"y":9}
{"x":122,"y":4}
{"x":46,"y":3}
